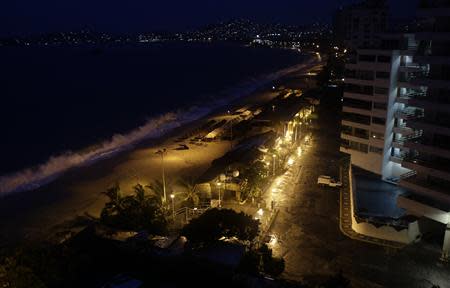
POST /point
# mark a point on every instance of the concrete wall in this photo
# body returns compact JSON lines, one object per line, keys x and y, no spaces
{"x":368,"y":161}
{"x":406,"y":236}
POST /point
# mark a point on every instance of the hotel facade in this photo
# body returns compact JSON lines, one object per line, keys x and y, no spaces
{"x":396,"y":114}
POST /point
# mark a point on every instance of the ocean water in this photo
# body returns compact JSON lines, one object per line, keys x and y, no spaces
{"x":56,"y":102}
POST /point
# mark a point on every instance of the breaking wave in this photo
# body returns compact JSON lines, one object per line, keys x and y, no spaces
{"x":33,"y":178}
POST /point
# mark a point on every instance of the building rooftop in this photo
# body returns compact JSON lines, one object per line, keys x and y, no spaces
{"x":375,"y":197}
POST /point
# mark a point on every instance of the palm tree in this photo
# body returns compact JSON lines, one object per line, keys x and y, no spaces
{"x":115,"y":199}
{"x":139,"y":192}
{"x":191,"y":194}
{"x":157,"y":188}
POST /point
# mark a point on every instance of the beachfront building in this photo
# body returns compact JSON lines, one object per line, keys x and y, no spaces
{"x":370,"y":107}
{"x":359,"y":25}
{"x":396,"y":114}
{"x":423,"y":146}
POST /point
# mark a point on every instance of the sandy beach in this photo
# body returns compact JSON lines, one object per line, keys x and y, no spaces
{"x":31,"y":215}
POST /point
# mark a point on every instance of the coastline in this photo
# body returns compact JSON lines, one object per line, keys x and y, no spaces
{"x":32,"y":214}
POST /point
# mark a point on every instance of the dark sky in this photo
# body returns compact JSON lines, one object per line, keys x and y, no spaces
{"x":31,"y":16}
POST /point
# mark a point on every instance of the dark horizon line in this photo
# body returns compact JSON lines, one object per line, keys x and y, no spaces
{"x":200,"y":27}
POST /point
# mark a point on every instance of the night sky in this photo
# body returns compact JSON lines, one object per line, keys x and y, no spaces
{"x":32,"y":16}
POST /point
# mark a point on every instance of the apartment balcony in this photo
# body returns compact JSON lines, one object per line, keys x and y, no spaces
{"x":431,"y":83}
{"x":433,"y":35}
{"x":432,"y":127}
{"x":410,"y":97}
{"x":420,"y":72}
{"x":436,"y":168}
{"x":432,"y":58}
{"x":399,"y":157}
{"x":429,"y":105}
{"x":400,"y":142}
{"x":412,"y":79}
{"x":359,"y":81}
{"x":411,"y":182}
{"x":356,"y":124}
{"x":409,"y":113}
{"x":412,"y":67}
{"x":396,"y":159}
{"x":370,"y":66}
{"x":403,"y":129}
{"x":356,"y":110}
{"x":421,"y":145}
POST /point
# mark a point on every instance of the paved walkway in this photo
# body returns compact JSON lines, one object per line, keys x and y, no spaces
{"x":346,"y":212}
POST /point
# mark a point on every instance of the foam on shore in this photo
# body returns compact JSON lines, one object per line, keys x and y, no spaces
{"x":35,"y":177}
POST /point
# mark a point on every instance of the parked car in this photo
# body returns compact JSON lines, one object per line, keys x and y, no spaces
{"x":324,"y":180}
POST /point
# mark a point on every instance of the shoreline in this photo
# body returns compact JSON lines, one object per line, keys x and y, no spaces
{"x":163,"y":126}
{"x":32,"y":214}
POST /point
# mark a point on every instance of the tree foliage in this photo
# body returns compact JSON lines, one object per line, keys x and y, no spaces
{"x":190,"y":196}
{"x":157,"y":189}
{"x":217,"y":223}
{"x":14,"y":275}
{"x":140,"y":211}
{"x":255,"y":177}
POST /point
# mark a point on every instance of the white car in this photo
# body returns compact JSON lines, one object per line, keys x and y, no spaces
{"x":328,"y":181}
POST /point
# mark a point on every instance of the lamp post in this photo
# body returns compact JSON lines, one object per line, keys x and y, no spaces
{"x":162,"y":152}
{"x":172,"y":196}
{"x":295,"y":131}
{"x":222,"y":179}
{"x":220,"y":203}
{"x":274,"y":157}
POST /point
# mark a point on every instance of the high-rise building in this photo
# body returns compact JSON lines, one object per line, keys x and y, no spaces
{"x":359,"y":25}
{"x":396,"y":113}
{"x":370,"y":109}
{"x":424,"y":99}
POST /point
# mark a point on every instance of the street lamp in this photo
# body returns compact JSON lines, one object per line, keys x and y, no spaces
{"x":260,"y":212}
{"x":220,"y":203}
{"x":162,"y":152}
{"x":274,"y":157}
{"x":172,"y":196}
{"x":222,"y":179}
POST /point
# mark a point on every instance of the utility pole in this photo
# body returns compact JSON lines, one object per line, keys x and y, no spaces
{"x":162,"y":152}
{"x":274,"y":157}
{"x":173,"y":206}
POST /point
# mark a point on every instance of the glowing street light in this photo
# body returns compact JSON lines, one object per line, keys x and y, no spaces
{"x":172,"y":196}
{"x":220,"y":200}
{"x":260,"y":212}
{"x":274,"y":157}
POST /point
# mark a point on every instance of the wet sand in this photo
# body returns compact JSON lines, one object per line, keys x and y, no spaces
{"x":31,"y":215}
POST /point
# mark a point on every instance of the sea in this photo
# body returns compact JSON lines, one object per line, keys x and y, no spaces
{"x":63,"y":107}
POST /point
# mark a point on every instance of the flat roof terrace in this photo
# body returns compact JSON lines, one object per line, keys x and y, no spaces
{"x":375,"y":197}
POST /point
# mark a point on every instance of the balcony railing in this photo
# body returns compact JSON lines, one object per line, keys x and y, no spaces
{"x":411,"y":65}
{"x":406,"y":97}
{"x":408,"y":175}
{"x":436,"y":165}
{"x":409,"y":113}
{"x":410,"y":137}
{"x":416,"y":75}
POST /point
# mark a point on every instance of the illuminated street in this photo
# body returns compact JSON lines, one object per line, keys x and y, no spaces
{"x":225,"y":144}
{"x":307,"y":227}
